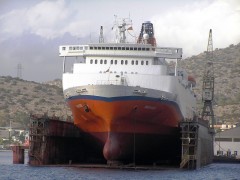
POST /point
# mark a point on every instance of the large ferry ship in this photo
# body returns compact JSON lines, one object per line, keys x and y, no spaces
{"x":126,"y":97}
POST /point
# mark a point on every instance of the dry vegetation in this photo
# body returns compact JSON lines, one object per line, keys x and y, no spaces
{"x":19,"y":98}
{"x":227,"y":81}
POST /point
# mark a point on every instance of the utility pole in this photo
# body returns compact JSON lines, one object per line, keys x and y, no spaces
{"x":19,"y":71}
{"x":208,"y":84}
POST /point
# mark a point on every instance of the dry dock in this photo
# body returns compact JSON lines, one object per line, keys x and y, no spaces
{"x":197,"y":144}
{"x":59,"y":143}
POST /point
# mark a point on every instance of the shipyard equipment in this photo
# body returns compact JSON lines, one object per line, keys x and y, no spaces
{"x":208,"y":84}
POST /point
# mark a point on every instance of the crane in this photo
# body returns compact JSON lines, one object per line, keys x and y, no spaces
{"x":208,"y":84}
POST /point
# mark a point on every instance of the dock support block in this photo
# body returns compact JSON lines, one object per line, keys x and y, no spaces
{"x":18,"y":154}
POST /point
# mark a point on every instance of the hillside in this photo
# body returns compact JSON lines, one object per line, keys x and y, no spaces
{"x":226,"y":64}
{"x":18,"y":98}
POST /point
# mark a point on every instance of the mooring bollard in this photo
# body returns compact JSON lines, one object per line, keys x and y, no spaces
{"x":18,"y":154}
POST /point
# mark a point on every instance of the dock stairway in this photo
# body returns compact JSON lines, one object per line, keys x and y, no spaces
{"x":189,"y":137}
{"x":37,"y":139}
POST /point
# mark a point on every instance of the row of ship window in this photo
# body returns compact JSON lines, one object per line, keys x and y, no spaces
{"x":106,"y":48}
{"x":75,"y":48}
{"x":120,"y":48}
{"x":133,"y":62}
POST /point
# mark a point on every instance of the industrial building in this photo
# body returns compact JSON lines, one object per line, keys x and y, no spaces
{"x":227,"y":143}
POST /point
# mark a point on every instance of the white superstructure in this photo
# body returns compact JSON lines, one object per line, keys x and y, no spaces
{"x":134,"y":68}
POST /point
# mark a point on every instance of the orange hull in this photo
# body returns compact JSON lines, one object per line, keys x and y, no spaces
{"x":121,"y":116}
{"x":118,"y":123}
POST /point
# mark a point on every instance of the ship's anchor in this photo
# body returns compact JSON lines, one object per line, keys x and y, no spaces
{"x":86,"y":108}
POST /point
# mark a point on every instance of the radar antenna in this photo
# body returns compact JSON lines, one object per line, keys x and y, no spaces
{"x":208,"y":85}
{"x":147,"y":34}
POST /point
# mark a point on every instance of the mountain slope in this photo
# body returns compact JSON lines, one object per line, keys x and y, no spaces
{"x":226,"y":64}
{"x":18,"y":98}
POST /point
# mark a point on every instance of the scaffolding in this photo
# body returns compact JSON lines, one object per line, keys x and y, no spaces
{"x":37,"y":139}
{"x":189,"y":131}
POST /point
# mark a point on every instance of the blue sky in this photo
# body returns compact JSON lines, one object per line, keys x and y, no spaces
{"x":32,"y":30}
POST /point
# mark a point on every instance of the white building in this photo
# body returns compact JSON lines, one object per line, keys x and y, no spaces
{"x":223,"y":127}
{"x":227,"y":143}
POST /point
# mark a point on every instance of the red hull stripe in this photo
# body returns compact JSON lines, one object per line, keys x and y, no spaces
{"x":121,"y":98}
{"x":126,"y":98}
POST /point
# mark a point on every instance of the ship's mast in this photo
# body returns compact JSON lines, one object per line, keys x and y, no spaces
{"x":101,"y":38}
{"x":120,"y":29}
{"x":208,"y":84}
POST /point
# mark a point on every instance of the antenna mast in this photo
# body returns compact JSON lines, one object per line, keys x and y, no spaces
{"x":208,"y":84}
{"x":121,"y":27}
{"x":101,"y":38}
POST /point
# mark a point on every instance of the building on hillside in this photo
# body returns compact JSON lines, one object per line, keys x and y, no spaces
{"x":227,"y":143}
{"x":4,"y":134}
{"x":223,"y":127}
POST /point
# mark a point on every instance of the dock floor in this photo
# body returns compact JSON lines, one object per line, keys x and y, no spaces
{"x":124,"y":167}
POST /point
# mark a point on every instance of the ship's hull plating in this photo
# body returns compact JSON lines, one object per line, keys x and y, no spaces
{"x":129,"y":128}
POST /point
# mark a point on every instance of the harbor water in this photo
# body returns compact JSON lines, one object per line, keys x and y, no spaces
{"x":10,"y":171}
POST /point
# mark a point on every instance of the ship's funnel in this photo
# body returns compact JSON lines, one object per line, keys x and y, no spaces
{"x":147,"y":34}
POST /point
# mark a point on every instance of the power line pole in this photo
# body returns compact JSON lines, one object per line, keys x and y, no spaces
{"x":19,"y":71}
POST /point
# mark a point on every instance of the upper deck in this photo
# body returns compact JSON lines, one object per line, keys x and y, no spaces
{"x":119,"y":50}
